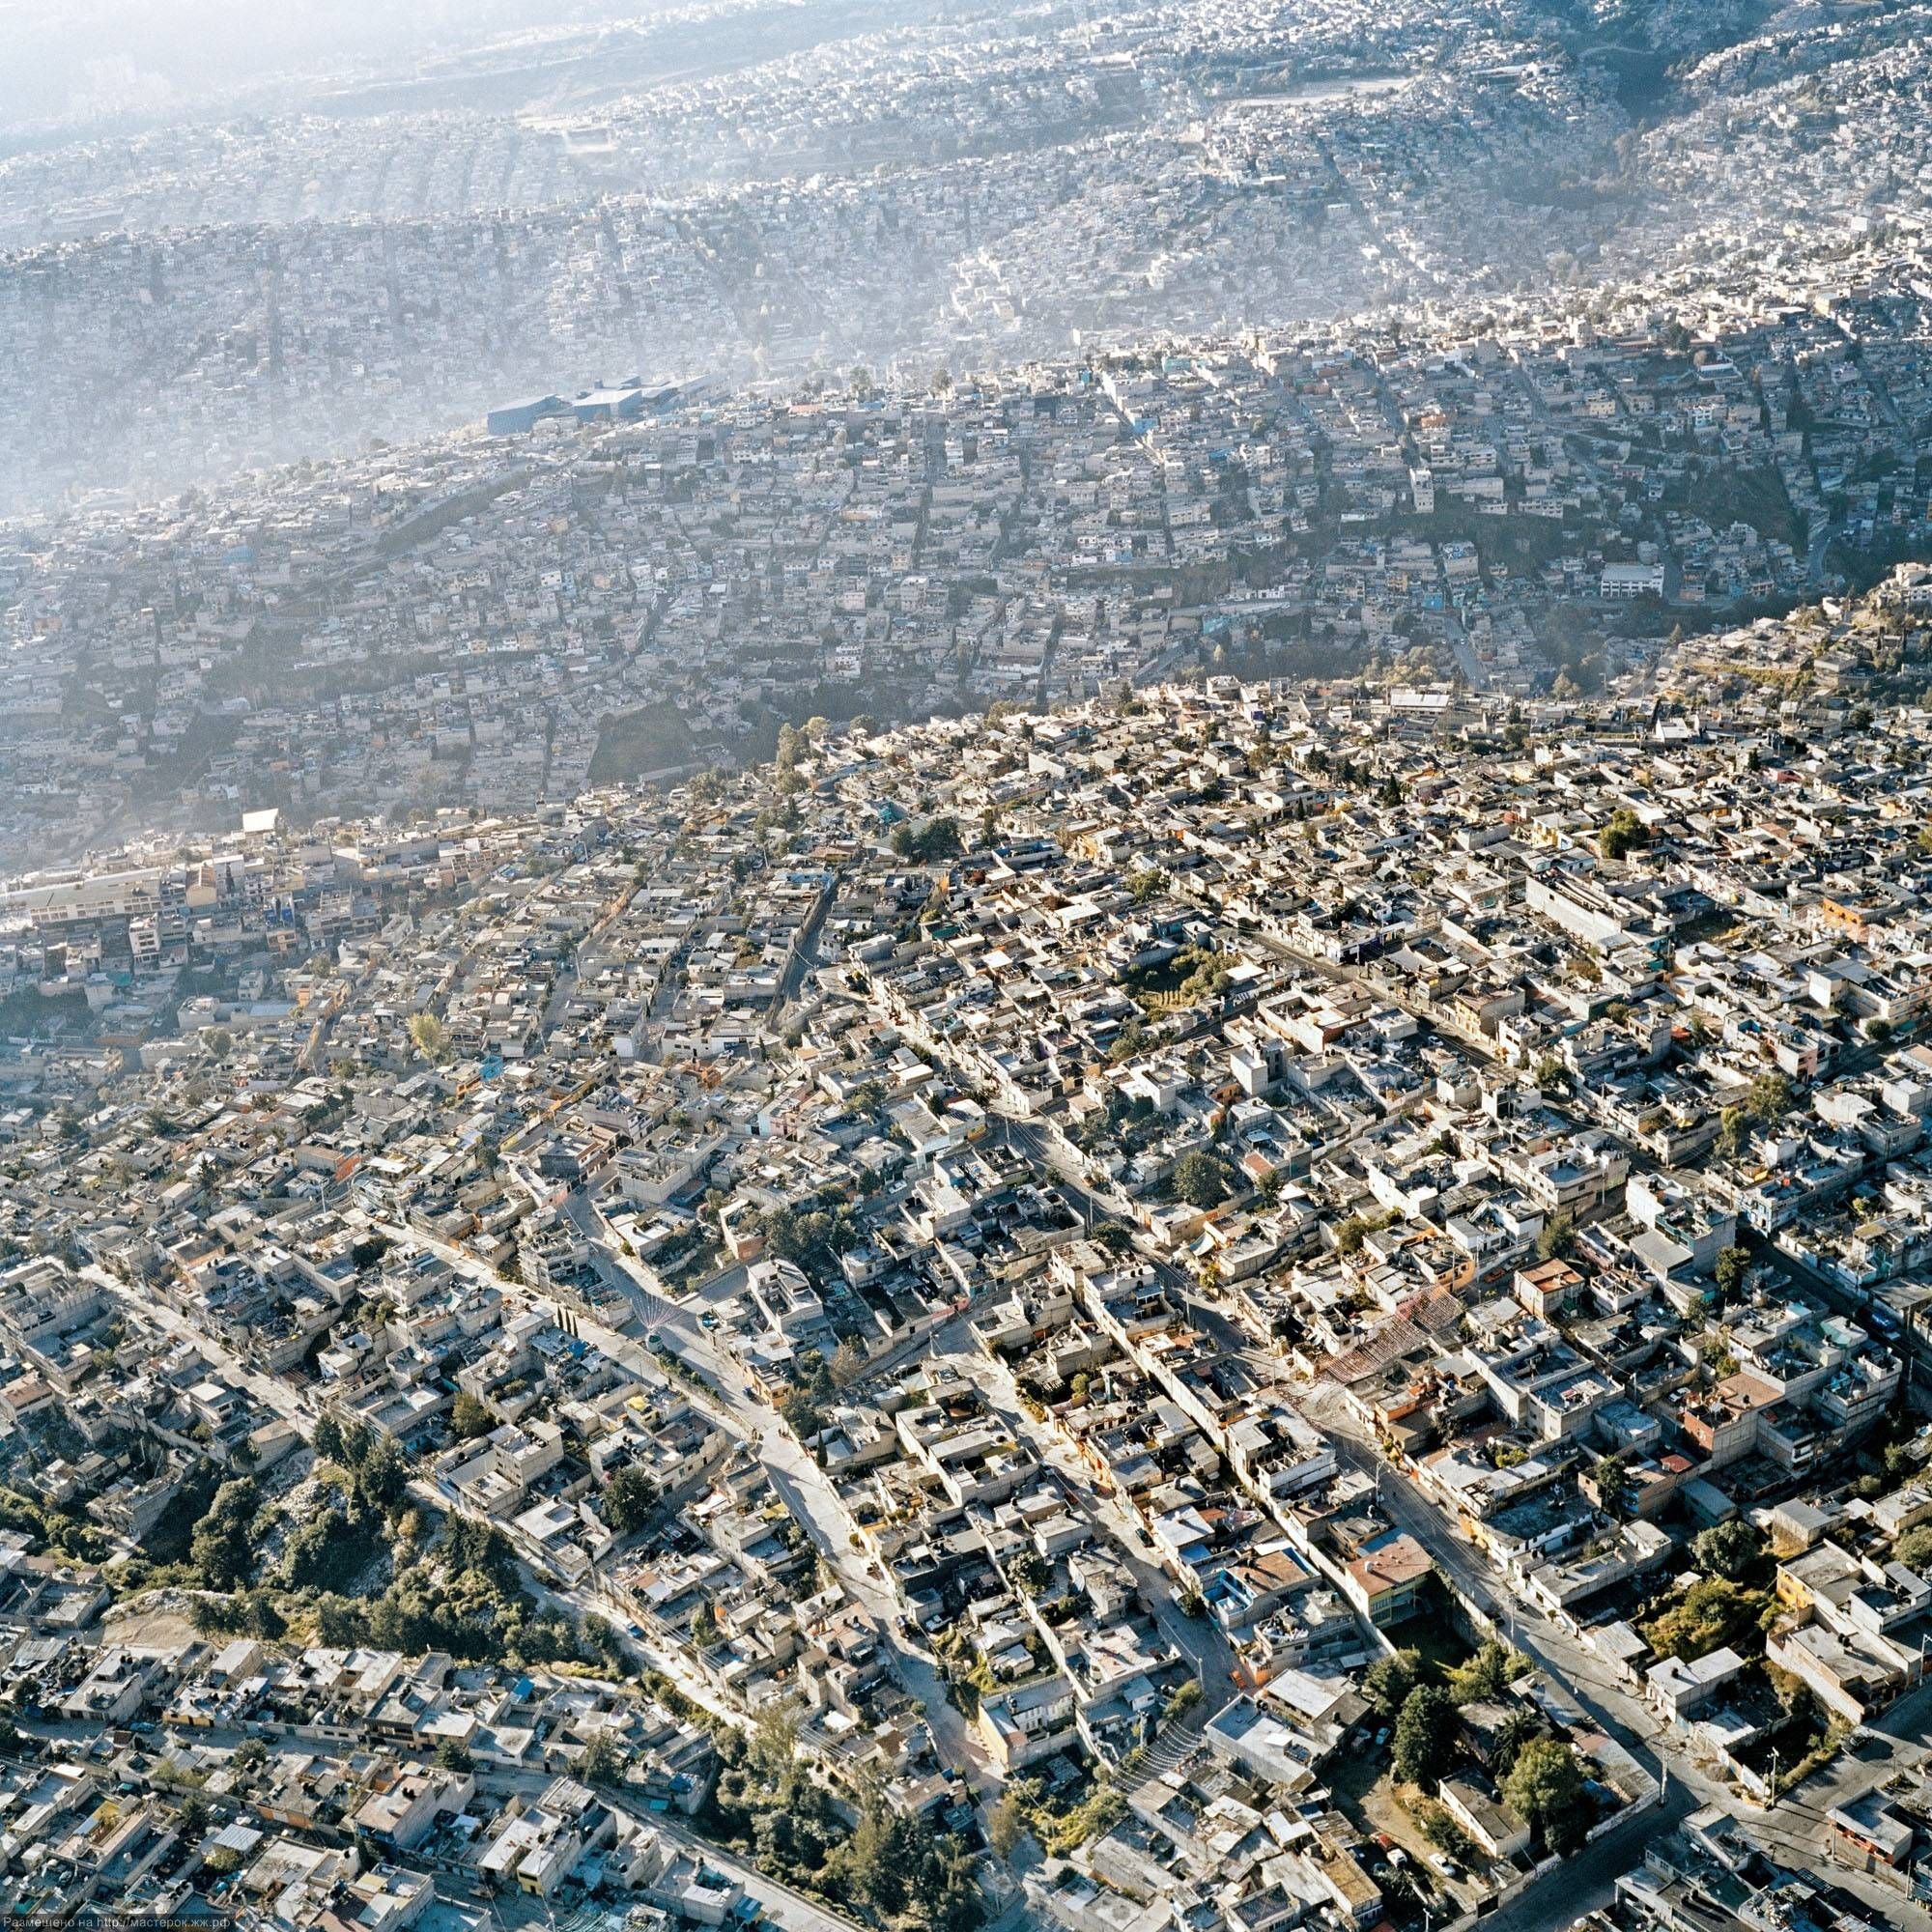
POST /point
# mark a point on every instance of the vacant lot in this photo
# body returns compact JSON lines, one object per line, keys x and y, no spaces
{"x":655,"y":739}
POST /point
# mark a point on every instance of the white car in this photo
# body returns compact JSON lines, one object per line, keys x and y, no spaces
{"x":1443,"y":1863}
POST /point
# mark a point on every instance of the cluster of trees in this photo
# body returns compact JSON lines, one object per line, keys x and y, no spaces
{"x":937,"y":838}
{"x":767,"y":1805}
{"x":802,"y":1405}
{"x":795,"y":744}
{"x":968,"y":1675}
{"x":332,"y":1548}
{"x":1194,"y":973}
{"x":221,"y":1552}
{"x":372,"y":1466}
{"x":457,"y":1591}
{"x":906,"y":1871}
{"x":55,"y":1530}
{"x":1713,"y":1612}
{"x":1892,"y":1458}
{"x":1426,"y":1712}
{"x":1346,"y":771}
{"x":362,"y":1510}
{"x":1537,"y":1774}
{"x":1124,"y":1122}
{"x":1024,"y":1807}
{"x":251,"y":1613}
{"x":810,"y":1237}
{"x":464,"y":1597}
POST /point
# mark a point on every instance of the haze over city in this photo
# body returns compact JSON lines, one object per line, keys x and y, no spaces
{"x":964,"y":968}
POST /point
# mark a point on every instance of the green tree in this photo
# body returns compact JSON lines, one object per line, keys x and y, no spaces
{"x":772,"y":1745}
{"x":1545,"y":1788}
{"x":1612,"y":1479}
{"x":213,"y":1616}
{"x":800,"y":1413}
{"x":1200,"y":1179}
{"x":261,"y":1618}
{"x":1770,"y":1097}
{"x":1425,"y":1734}
{"x":1625,"y":834}
{"x":1352,"y":1232}
{"x":1733,"y":1265}
{"x":1556,"y":1237}
{"x":340,"y":1622}
{"x":602,"y":1761}
{"x":877,"y":1855}
{"x":937,"y":838}
{"x":1733,"y":1551}
{"x":1388,"y":1681}
{"x":1005,"y":1827}
{"x":221,"y":1551}
{"x":1028,"y":1572}
{"x":470,"y":1418}
{"x":429,"y":1035}
{"x":1515,"y":1730}
{"x":1487,"y":1674}
{"x":382,"y":1477}
{"x":453,"y":1755}
{"x":1914,"y":1547}
{"x":629,"y":1500}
